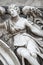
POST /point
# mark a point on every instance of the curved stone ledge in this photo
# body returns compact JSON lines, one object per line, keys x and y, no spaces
{"x":7,"y":54}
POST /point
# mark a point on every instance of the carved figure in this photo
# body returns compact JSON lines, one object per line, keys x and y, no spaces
{"x":27,"y":47}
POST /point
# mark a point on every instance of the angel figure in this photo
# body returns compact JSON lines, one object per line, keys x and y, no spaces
{"x":16,"y":27}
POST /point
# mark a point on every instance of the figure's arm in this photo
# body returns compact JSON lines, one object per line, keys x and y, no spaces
{"x":7,"y":25}
{"x":35,"y":29}
{"x":2,"y":25}
{"x":2,"y":11}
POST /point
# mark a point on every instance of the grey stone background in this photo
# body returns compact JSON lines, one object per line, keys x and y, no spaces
{"x":38,"y":3}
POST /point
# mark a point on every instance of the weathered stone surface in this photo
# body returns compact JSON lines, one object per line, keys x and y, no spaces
{"x":21,"y":38}
{"x":38,"y":3}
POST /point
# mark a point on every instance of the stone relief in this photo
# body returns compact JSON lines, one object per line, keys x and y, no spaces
{"x":23,"y":35}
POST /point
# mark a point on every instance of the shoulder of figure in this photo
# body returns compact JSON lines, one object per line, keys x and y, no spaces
{"x":24,"y":19}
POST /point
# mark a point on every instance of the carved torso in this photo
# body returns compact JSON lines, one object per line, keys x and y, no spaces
{"x":15,"y":26}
